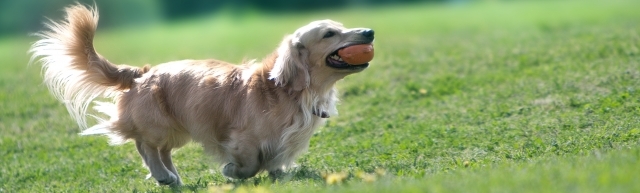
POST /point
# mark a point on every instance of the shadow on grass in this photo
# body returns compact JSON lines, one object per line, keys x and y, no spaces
{"x":301,"y":173}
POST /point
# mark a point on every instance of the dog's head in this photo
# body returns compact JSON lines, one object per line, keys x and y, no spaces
{"x":311,"y":53}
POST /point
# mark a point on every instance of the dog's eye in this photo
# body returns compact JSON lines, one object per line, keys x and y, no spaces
{"x":329,"y":34}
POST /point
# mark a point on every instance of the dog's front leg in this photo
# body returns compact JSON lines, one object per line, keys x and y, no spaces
{"x":275,"y":174}
{"x":246,"y":163}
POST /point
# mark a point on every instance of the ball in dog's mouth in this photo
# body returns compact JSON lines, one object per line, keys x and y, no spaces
{"x":351,"y":56}
{"x":357,"y":54}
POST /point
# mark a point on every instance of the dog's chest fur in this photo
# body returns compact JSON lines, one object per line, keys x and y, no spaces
{"x":294,"y":138}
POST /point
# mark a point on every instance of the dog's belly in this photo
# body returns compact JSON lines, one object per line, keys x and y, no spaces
{"x":275,"y":149}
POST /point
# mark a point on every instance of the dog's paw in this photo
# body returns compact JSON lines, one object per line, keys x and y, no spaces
{"x":275,"y":174}
{"x":170,"y":180}
{"x":240,"y":173}
{"x":229,"y":170}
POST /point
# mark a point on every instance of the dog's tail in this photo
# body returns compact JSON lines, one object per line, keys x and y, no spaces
{"x":72,"y":69}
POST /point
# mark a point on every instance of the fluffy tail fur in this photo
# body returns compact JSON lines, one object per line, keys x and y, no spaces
{"x":72,"y":69}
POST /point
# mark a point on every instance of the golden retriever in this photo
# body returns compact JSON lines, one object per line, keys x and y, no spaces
{"x":252,"y":117}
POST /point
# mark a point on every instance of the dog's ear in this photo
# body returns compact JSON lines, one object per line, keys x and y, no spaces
{"x":291,"y":68}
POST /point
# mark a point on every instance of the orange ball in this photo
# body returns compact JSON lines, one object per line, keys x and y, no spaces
{"x":357,"y":54}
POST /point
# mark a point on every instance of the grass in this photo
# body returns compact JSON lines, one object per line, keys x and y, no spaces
{"x":479,"y":97}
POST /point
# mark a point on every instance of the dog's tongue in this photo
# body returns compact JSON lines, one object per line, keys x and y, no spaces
{"x":357,"y":54}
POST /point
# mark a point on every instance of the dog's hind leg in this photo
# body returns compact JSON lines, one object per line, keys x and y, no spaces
{"x":156,"y":167}
{"x":165,"y":156}
{"x":142,"y":153}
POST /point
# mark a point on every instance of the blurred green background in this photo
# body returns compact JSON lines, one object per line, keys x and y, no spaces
{"x":20,"y":16}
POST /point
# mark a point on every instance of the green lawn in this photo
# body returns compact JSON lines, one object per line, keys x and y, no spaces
{"x":539,"y":96}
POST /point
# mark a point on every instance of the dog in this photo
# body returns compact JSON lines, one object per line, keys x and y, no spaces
{"x":252,"y":117}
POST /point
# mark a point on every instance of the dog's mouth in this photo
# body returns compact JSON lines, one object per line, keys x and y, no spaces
{"x":335,"y":61}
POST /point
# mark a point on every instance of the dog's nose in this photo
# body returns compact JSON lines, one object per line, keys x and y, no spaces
{"x":367,"y":33}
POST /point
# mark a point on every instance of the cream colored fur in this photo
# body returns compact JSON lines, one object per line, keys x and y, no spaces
{"x":250,"y":117}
